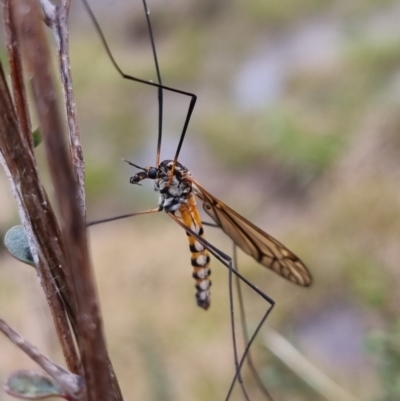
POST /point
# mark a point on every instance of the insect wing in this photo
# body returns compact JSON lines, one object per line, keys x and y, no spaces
{"x":255,"y":242}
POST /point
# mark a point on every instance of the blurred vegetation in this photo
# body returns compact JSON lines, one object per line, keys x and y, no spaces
{"x":384,"y":346}
{"x":297,"y":128}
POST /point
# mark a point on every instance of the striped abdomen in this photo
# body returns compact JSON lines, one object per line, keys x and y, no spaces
{"x":200,"y":257}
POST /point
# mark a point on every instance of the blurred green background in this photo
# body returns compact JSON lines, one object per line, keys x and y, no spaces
{"x":297,"y":128}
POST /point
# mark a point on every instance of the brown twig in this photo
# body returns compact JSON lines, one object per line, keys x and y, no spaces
{"x":78,"y":269}
{"x":57,"y":18}
{"x":73,"y":385}
{"x":17,"y":78}
{"x":36,"y":215}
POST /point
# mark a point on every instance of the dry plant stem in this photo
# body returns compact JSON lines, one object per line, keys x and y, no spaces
{"x":17,"y":78}
{"x":71,"y":384}
{"x":57,"y":19}
{"x":90,"y":337}
{"x":292,"y":358}
{"x":36,"y":215}
{"x":43,"y":232}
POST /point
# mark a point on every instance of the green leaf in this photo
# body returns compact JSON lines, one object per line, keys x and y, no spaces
{"x":37,"y":137}
{"x":17,"y":244}
{"x":32,"y":385}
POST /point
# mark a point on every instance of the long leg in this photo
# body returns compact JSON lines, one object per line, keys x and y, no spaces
{"x":193,"y":97}
{"x":227,"y":261}
{"x":122,"y":216}
{"x":245,"y":329}
{"x":160,"y":91}
{"x":245,"y":332}
{"x":231,"y":264}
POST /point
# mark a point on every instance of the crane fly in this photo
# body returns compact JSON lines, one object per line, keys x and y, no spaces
{"x":178,"y":191}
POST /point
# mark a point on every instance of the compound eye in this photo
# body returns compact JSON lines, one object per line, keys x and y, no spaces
{"x":152,"y":173}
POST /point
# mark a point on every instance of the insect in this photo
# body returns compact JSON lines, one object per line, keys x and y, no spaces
{"x":178,"y":191}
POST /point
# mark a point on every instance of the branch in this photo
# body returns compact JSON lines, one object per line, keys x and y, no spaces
{"x":17,"y":78}
{"x":78,"y":270}
{"x":57,"y":19}
{"x":37,"y":217}
{"x":73,"y":385}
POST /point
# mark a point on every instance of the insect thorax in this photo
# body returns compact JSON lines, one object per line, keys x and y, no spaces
{"x":179,"y":190}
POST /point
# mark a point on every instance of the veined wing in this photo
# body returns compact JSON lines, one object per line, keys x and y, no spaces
{"x":252,"y":240}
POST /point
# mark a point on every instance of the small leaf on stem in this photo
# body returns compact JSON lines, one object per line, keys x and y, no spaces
{"x":17,"y":244}
{"x":31,"y":385}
